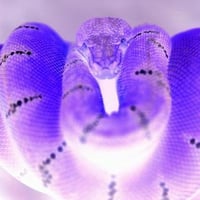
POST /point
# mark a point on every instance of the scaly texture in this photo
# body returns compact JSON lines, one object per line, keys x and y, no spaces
{"x":55,"y":129}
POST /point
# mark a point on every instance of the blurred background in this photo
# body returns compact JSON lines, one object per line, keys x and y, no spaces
{"x":65,"y":16}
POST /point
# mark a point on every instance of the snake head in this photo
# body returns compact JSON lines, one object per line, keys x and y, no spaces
{"x":102,"y":42}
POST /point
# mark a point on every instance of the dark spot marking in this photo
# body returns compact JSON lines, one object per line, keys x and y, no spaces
{"x":133,"y":108}
{"x":198,"y":145}
{"x":88,"y":128}
{"x":72,"y":63}
{"x":47,"y":161}
{"x":145,"y":32}
{"x":192,"y":141}
{"x":143,"y":119}
{"x":53,"y":155}
{"x":160,"y":46}
{"x":31,"y":98}
{"x":150,"y":72}
{"x":46,"y":175}
{"x":60,"y":149}
{"x":162,"y":184}
{"x":19,"y":103}
{"x":112,"y":189}
{"x":27,"y":27}
{"x":165,"y":191}
{"x":64,"y":143}
{"x":137,"y":35}
{"x":144,"y":72}
{"x":92,"y":125}
{"x":25,"y":100}
{"x":136,"y":73}
{"x":28,"y":53}
{"x":18,"y":52}
{"x":156,"y":32}
{"x":77,"y":87}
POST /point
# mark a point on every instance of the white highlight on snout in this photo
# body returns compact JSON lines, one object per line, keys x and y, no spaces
{"x":108,"y":89}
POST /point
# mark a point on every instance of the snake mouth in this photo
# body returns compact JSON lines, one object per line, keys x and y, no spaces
{"x":105,"y":72}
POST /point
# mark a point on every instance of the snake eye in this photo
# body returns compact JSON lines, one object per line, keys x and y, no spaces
{"x":123,"y":41}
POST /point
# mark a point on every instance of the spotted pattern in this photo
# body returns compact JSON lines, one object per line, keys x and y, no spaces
{"x":27,"y":27}
{"x":161,"y":47}
{"x":145,"y":32}
{"x":19,"y":103}
{"x":165,"y":191}
{"x":112,"y":189}
{"x":43,"y":167}
{"x":12,"y":53}
{"x":75,"y":88}
{"x":55,"y":130}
